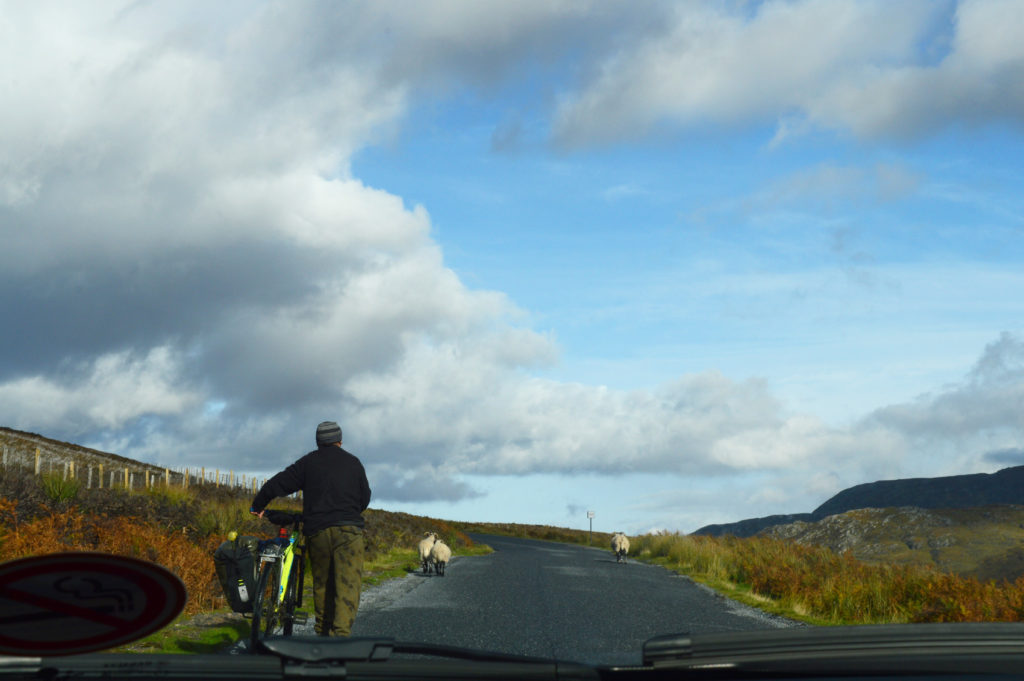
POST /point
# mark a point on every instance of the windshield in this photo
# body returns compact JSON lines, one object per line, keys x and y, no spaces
{"x":657,"y":317}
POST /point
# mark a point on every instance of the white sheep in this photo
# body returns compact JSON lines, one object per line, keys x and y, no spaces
{"x":440,"y":554}
{"x":620,"y":547}
{"x":426,"y":544}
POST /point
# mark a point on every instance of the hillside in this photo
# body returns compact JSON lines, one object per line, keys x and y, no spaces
{"x":20,"y":446}
{"x":984,"y":542}
{"x":955,"y":491}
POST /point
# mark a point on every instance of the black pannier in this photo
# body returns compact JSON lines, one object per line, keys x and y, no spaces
{"x":235,"y":562}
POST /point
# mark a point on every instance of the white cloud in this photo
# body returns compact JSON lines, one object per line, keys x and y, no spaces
{"x":857,"y":67}
{"x":110,"y":392}
{"x":181,"y":227}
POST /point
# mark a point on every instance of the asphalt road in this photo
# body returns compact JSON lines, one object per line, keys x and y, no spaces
{"x":550,"y":600}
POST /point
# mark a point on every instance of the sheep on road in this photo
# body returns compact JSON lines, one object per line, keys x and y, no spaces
{"x":426,"y":544}
{"x":440,"y":554}
{"x":620,"y":547}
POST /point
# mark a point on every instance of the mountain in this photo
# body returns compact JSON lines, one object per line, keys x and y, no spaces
{"x":985,"y":542}
{"x":751,"y":526}
{"x":955,"y":491}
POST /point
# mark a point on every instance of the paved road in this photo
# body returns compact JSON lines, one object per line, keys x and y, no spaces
{"x":551,"y":600}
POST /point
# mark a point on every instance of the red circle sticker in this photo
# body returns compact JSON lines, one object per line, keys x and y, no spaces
{"x":71,"y":603}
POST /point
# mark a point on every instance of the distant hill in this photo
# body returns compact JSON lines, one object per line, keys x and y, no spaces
{"x":751,"y":526}
{"x":985,"y":542}
{"x":19,"y":446}
{"x":955,"y":491}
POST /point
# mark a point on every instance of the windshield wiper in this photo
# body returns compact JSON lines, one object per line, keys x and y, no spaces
{"x":320,"y":649}
{"x":898,"y":649}
{"x":291,"y":657}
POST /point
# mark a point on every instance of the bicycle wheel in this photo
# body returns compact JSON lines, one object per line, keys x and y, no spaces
{"x":259,"y":605}
{"x":272,"y":613}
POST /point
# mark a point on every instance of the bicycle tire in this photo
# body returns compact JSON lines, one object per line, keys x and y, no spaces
{"x":273,"y":610}
{"x":259,"y":604}
{"x":302,"y":579}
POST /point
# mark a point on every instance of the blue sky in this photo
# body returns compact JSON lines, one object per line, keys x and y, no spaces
{"x":676,"y":263}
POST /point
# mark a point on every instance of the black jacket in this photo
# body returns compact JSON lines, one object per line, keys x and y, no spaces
{"x":333,"y":484}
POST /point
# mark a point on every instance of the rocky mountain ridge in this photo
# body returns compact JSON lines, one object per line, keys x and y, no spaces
{"x":985,"y":542}
{"x":1004,"y":487}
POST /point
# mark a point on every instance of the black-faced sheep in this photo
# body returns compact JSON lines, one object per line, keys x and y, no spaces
{"x":426,"y":544}
{"x":620,"y":547}
{"x":440,"y":554}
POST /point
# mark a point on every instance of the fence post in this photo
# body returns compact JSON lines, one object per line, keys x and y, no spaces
{"x":88,"y":479}
{"x":231,"y":479}
{"x":216,"y":479}
{"x":100,"y":485}
{"x":127,"y":480}
{"x":5,"y":457}
{"x":71,"y":464}
{"x":37,"y":460}
{"x":202,"y":474}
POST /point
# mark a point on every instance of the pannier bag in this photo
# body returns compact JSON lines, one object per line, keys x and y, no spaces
{"x":235,"y":562}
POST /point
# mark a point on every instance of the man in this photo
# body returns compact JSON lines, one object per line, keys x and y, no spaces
{"x":334,"y":495}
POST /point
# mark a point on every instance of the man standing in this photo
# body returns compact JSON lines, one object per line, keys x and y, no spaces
{"x":334,"y":495}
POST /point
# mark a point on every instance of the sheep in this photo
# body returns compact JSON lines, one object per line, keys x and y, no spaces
{"x":440,"y":554}
{"x":426,"y":544}
{"x":620,"y":547}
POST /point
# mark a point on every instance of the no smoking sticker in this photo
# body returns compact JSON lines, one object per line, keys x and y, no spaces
{"x":71,"y":603}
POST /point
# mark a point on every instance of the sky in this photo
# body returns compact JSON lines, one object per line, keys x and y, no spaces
{"x":672,"y":263}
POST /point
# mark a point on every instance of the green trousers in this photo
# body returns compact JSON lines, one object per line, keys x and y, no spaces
{"x":336,"y":558}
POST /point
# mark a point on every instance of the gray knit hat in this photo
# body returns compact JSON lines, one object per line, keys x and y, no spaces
{"x":328,"y":432}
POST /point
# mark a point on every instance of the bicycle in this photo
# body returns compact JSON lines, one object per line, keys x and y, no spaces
{"x":280,"y":574}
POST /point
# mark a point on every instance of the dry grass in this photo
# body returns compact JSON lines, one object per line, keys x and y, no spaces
{"x":820,"y":585}
{"x":176,"y":528}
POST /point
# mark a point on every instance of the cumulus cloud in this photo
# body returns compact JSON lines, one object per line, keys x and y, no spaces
{"x":196,"y":276}
{"x":868,"y":68}
{"x":988,"y":403}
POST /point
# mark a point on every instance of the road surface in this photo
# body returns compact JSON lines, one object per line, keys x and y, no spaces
{"x":550,"y":600}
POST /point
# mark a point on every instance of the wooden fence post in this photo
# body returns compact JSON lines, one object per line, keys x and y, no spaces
{"x":216,"y":479}
{"x":127,"y":480}
{"x":167,"y":478}
{"x":37,"y":460}
{"x":100,"y":485}
{"x":71,"y":465}
{"x":88,"y":479}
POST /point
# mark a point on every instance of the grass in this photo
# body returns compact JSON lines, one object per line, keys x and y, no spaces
{"x":818,"y":586}
{"x":561,"y":535}
{"x":59,"y":488}
{"x":179,"y":529}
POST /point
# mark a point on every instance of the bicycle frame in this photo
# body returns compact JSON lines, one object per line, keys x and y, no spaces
{"x":280,"y":577}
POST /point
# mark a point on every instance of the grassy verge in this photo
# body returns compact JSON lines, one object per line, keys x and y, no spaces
{"x":818,"y":586}
{"x":216,"y":631}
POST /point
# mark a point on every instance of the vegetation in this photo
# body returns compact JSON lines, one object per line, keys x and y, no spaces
{"x":823,"y":587}
{"x":180,"y":529}
{"x":542,"y":532}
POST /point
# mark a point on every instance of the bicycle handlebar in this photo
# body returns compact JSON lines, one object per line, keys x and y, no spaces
{"x":282,"y":518}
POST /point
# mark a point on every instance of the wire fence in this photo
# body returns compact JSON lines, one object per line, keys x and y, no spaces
{"x":96,"y":471}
